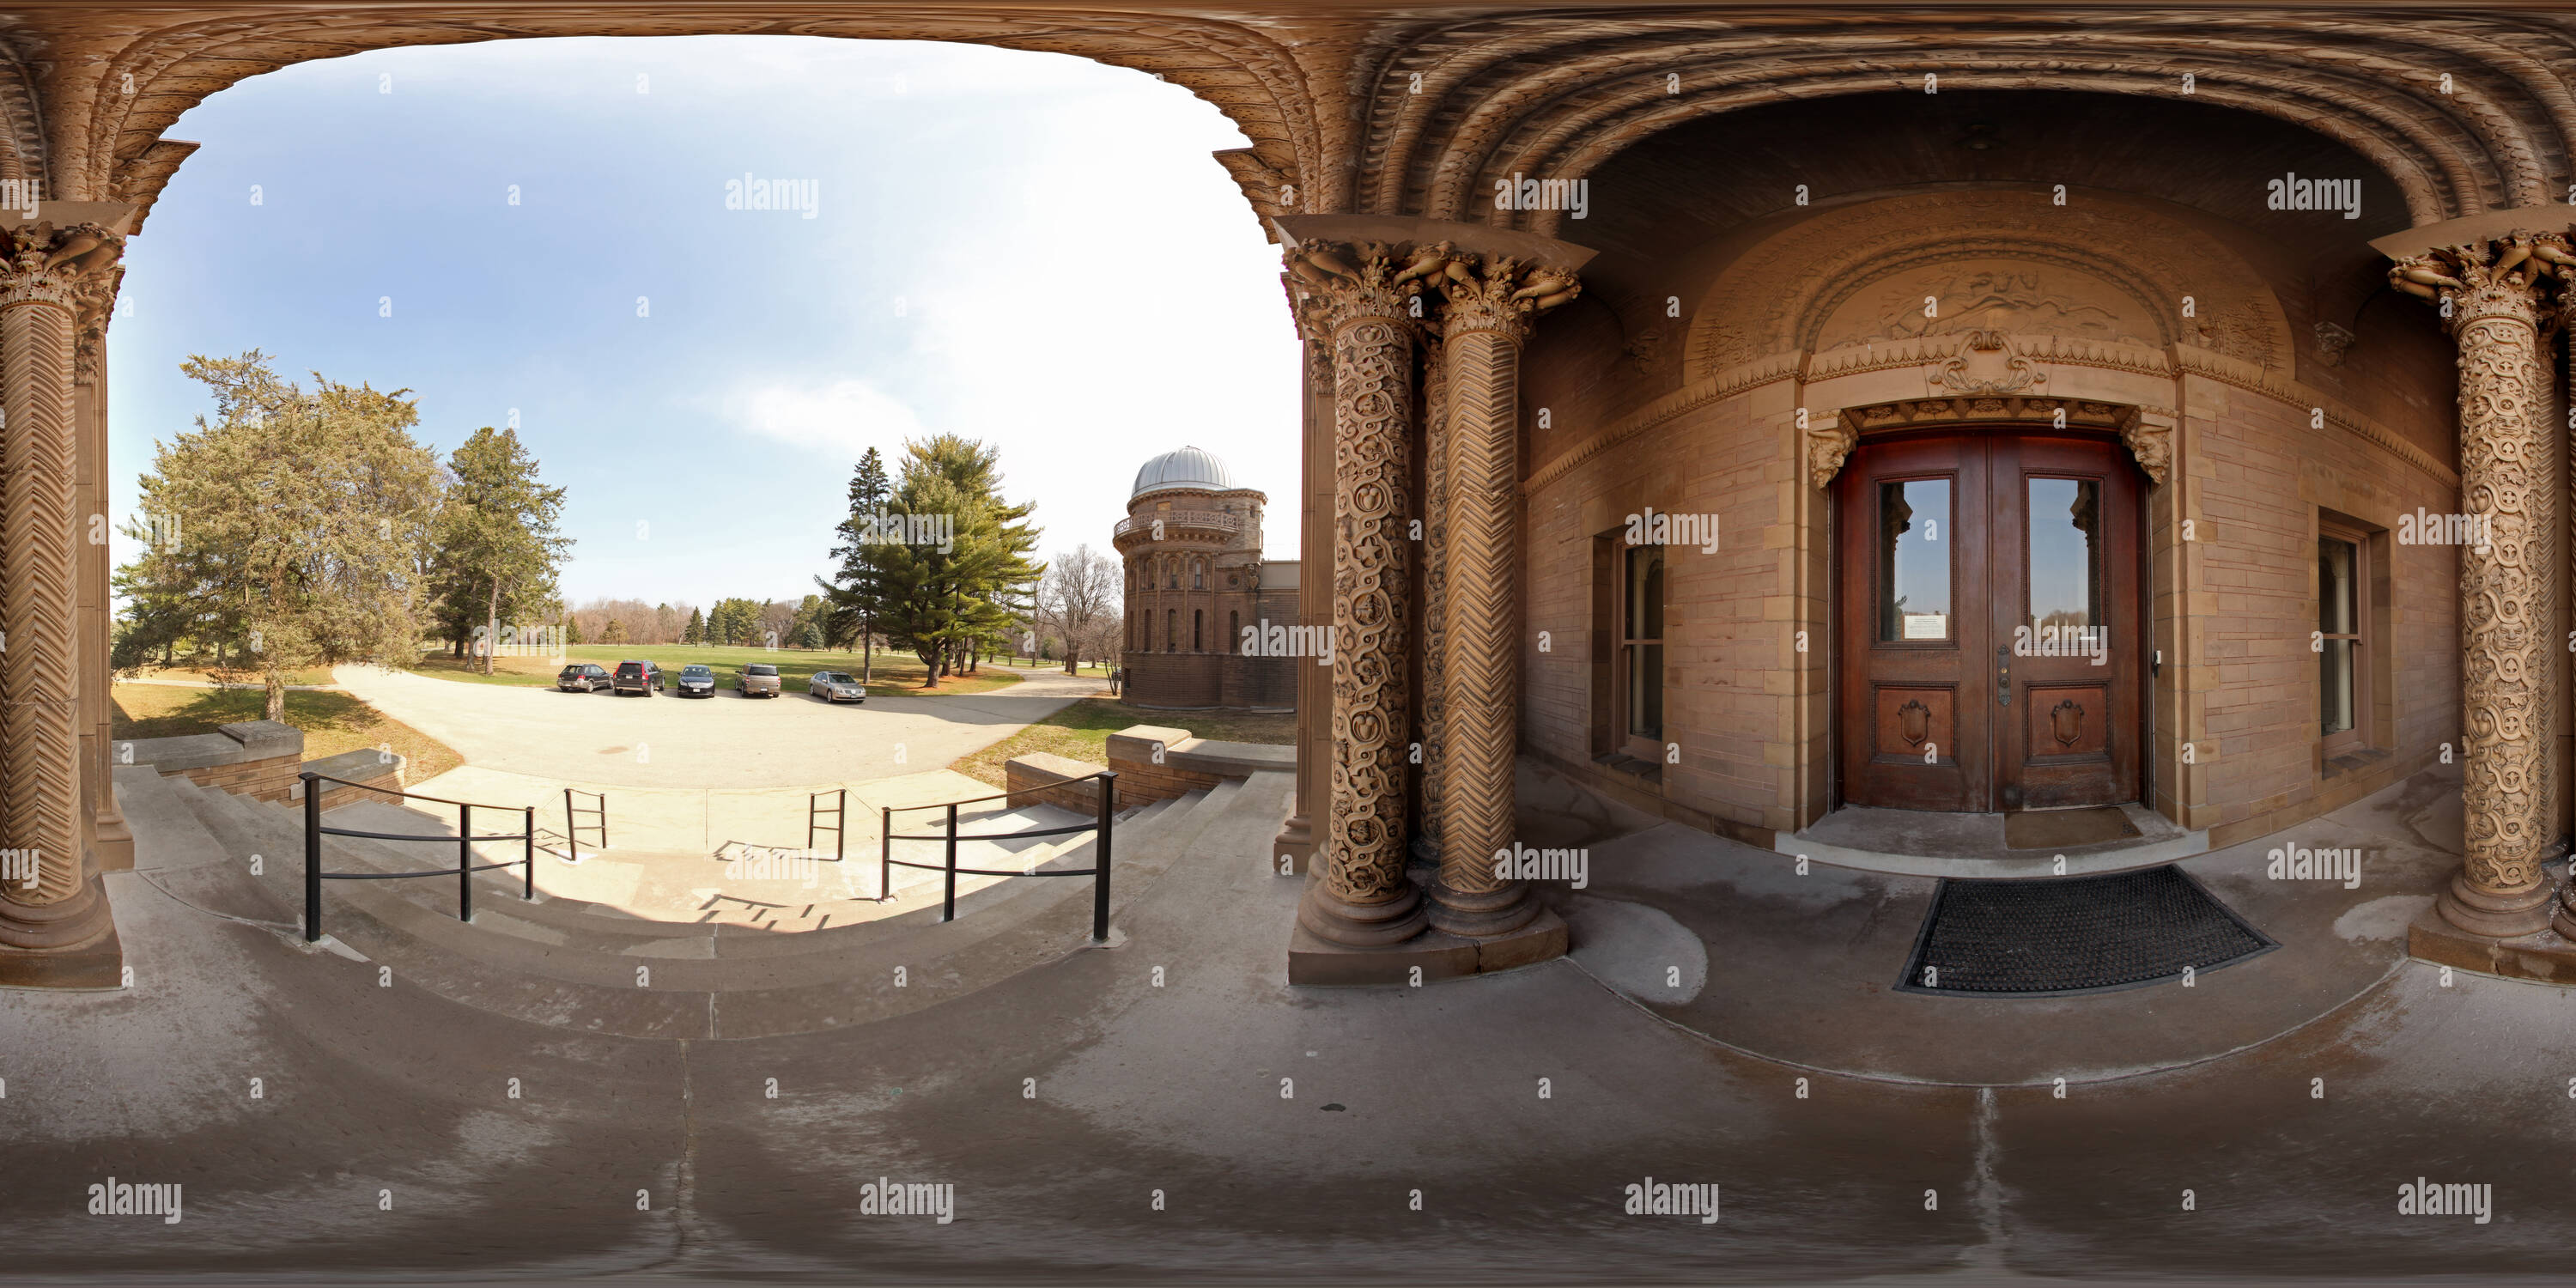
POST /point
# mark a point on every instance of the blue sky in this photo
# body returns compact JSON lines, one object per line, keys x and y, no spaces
{"x":1032,"y":249}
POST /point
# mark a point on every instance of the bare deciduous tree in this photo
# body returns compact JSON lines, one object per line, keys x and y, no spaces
{"x":1078,"y":597}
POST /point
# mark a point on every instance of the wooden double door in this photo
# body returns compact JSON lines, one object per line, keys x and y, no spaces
{"x":1989,"y":632}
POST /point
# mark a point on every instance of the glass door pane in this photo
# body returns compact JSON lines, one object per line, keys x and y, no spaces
{"x":1914,"y":560}
{"x":2065,"y":560}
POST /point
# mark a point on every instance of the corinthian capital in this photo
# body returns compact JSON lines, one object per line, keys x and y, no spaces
{"x":1499,"y":293}
{"x":2507,"y":277}
{"x":43,"y":263}
{"x":1340,"y":283}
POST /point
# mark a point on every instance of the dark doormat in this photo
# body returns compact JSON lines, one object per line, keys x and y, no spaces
{"x":2059,"y":829}
{"x":2059,"y":936}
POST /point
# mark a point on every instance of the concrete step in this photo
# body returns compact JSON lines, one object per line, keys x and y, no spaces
{"x":550,"y":963}
{"x":179,"y":855}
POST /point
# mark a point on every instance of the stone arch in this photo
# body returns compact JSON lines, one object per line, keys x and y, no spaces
{"x":2105,"y":271}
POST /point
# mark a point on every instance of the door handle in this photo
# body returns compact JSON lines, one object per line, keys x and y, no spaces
{"x":2003,"y":675}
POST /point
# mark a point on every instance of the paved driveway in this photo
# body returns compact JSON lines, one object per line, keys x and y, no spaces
{"x":723,"y":741}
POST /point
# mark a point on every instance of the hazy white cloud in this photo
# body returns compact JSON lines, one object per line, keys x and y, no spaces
{"x":846,"y":416}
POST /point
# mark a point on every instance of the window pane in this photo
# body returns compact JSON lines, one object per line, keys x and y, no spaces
{"x":1644,"y":619}
{"x":1914,"y":560}
{"x":2334,"y":686}
{"x":2336,"y":604}
{"x":2065,"y":553}
{"x":1646,"y":691}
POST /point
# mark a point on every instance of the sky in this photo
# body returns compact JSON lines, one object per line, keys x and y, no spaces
{"x":1030,"y":249}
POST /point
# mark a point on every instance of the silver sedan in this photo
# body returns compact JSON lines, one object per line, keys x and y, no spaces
{"x":833,"y":686}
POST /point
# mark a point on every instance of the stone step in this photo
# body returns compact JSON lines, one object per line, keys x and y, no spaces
{"x":550,"y":964}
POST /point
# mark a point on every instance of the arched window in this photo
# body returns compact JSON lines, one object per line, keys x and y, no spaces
{"x":1198,"y":641}
{"x":1233,"y":632}
{"x":1171,"y":574}
{"x":1171,"y":630}
{"x":1198,"y":575}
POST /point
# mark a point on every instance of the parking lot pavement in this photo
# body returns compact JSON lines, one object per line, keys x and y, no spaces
{"x":723,"y":741}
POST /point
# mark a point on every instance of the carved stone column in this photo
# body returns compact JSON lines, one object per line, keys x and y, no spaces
{"x":1361,"y":897}
{"x":1294,"y":848}
{"x":113,"y":840}
{"x":2492,"y":296}
{"x":43,"y":272}
{"x":1491,"y":303}
{"x":1435,"y":597}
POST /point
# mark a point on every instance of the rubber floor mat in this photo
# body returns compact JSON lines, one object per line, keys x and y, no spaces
{"x":2065,"y":935}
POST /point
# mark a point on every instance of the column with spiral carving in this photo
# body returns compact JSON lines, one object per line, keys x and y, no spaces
{"x":1361,"y":897}
{"x":2492,"y":295}
{"x":43,"y":273}
{"x":1492,"y":301}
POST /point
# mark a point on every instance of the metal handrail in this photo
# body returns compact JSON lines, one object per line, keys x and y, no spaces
{"x":840,"y":812}
{"x":314,"y":876}
{"x":572,"y":831}
{"x":1099,"y":870}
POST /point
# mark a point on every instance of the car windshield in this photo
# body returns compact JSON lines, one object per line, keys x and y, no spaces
{"x":694,"y":672}
{"x":761,"y":669}
{"x":835,"y":677}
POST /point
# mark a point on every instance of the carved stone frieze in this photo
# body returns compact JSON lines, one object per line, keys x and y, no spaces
{"x":2332,"y":340}
{"x":2493,"y":295}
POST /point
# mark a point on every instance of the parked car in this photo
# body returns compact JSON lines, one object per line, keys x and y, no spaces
{"x":588,"y":677}
{"x":832,"y":686}
{"x":638,"y":677}
{"x":696,"y":682}
{"x":759,"y":680}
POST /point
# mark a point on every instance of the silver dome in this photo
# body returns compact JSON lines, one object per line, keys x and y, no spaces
{"x":1187,"y":468}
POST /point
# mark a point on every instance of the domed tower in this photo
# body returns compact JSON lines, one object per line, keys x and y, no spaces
{"x":1195,"y":579}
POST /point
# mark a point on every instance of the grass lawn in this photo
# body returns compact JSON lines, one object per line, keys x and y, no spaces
{"x":1081,"y":732}
{"x":332,"y":722}
{"x":896,"y":675}
{"x":207,"y":675}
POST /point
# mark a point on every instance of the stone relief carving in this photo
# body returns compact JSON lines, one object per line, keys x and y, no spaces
{"x":1830,"y":439}
{"x":1986,"y":364}
{"x":2332,"y":340}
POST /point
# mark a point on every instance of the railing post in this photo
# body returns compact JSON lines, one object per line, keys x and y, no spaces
{"x":572,"y":832}
{"x":948,"y":904}
{"x":885,"y":852}
{"x":528,"y":857}
{"x":603,"y":819}
{"x":1100,"y":877}
{"x":312,"y":858}
{"x":841,"y":828}
{"x":465,"y":863}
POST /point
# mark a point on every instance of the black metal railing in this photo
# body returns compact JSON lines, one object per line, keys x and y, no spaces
{"x":813,"y":820}
{"x":1099,"y":869}
{"x":572,"y":828}
{"x":466,"y":867}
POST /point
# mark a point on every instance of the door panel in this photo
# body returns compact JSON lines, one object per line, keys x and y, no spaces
{"x":1911,"y":550}
{"x":1988,"y":615}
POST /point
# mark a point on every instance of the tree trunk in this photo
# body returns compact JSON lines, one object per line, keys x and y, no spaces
{"x":276,"y":696}
{"x":491,"y":625}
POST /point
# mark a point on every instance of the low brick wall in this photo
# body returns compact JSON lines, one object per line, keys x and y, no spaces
{"x":253,"y":758}
{"x":1187,"y":763}
{"x":376,"y":775}
{"x":1041,"y":778}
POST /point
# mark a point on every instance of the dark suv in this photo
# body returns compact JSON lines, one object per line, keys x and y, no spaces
{"x":588,"y":677}
{"x":638,"y":677}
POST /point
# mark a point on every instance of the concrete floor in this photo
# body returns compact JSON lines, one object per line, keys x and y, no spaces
{"x":1059,"y":1102}
{"x":726,"y":741}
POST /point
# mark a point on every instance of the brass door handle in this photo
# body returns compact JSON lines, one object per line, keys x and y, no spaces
{"x":2003,"y":675}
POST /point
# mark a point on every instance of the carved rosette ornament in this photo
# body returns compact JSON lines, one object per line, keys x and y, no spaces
{"x":46,"y":273}
{"x":1489,"y":304}
{"x":1830,"y":440}
{"x":1363,"y":897}
{"x":2492,"y":296}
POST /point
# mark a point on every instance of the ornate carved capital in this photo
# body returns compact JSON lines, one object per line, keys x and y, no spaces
{"x":1498,"y":294}
{"x":2506,"y":278}
{"x":95,"y":301}
{"x":1829,"y":443}
{"x":43,"y":264}
{"x":1341,"y":285}
{"x":2332,"y":340}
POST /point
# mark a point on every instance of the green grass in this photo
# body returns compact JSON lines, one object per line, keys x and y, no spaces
{"x":896,"y":674}
{"x":1081,"y":732}
{"x":332,"y":722}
